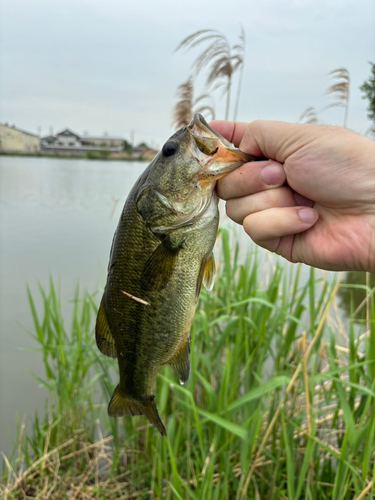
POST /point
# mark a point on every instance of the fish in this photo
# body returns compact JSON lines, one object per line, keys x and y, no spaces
{"x":162,"y":252}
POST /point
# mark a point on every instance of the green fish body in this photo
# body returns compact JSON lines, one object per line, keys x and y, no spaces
{"x":161,"y":253}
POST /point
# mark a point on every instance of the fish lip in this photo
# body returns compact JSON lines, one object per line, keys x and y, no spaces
{"x":201,"y":123}
{"x":223,"y":159}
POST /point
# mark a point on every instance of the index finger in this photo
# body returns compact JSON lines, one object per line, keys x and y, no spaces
{"x":232,"y":131}
{"x":273,"y":139}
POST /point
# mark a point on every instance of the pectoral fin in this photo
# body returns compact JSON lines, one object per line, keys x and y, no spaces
{"x":180,"y":363}
{"x":121,"y":405}
{"x":103,"y":335}
{"x":160,"y":266}
{"x":206,"y":274}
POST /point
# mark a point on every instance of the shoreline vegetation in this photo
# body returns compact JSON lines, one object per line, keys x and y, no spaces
{"x":280,"y":404}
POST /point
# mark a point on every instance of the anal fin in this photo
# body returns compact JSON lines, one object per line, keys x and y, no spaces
{"x":104,"y":338}
{"x":180,"y":363}
{"x":122,"y":405}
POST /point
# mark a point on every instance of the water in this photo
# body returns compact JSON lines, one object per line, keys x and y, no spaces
{"x":57,"y":216}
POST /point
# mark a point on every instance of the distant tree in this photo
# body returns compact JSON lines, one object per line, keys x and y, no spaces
{"x":340,"y":90}
{"x":368,"y":89}
{"x":186,"y":105}
{"x":222,"y":59}
{"x":127,"y":147}
{"x":143,"y":145}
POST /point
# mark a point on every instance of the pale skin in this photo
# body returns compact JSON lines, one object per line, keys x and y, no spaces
{"x":313,"y":201}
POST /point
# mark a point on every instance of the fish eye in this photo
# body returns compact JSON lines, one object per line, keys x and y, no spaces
{"x":170,"y":148}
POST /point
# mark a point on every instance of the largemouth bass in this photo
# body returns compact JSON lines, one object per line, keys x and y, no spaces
{"x":161,"y":254}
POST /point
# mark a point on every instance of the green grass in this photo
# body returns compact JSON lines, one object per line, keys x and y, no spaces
{"x":280,"y":403}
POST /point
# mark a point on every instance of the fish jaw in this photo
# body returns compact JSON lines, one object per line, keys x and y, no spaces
{"x":215,"y":154}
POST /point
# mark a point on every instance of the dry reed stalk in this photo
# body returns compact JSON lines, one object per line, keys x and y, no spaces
{"x":19,"y":445}
{"x":91,"y":467}
{"x":88,"y":447}
{"x":41,"y":460}
{"x":208,"y":458}
{"x":363,"y":493}
{"x":362,"y":304}
{"x":256,"y":489}
{"x":290,"y":387}
{"x":307,"y":399}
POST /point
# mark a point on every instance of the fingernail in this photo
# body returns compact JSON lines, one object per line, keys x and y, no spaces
{"x":308,"y":215}
{"x":273,"y":175}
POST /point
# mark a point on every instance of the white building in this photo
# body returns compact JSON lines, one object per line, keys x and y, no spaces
{"x":68,"y":141}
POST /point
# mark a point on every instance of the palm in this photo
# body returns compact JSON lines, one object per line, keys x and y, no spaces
{"x":341,"y":238}
{"x":335,"y":242}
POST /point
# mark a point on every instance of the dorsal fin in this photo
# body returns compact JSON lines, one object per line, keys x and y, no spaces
{"x":103,"y":335}
{"x":180,"y":362}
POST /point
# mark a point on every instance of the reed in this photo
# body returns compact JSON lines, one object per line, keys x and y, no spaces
{"x":309,"y":116}
{"x":280,"y":403}
{"x":339,"y":90}
{"x":221,"y":60}
{"x":186,"y":105}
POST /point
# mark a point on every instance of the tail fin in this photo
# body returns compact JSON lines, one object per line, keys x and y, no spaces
{"x":121,"y":405}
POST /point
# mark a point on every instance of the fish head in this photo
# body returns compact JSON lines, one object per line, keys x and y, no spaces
{"x":181,"y":179}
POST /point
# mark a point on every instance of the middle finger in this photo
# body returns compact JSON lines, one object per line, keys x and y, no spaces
{"x":251,"y":178}
{"x":239,"y":208}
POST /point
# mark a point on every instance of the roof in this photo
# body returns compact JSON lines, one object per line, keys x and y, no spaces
{"x":19,"y":130}
{"x":68,"y":132}
{"x":111,"y":138}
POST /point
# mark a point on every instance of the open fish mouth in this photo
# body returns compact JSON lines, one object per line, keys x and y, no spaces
{"x":216,"y":155}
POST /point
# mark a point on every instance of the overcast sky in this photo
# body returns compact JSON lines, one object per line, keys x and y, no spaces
{"x":110,"y":65}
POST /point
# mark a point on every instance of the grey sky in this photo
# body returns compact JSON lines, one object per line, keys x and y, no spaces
{"x":96,"y":66}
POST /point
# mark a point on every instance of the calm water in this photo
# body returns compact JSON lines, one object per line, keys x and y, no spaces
{"x":57,"y":217}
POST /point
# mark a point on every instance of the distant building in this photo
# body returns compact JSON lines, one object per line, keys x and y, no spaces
{"x":15,"y":140}
{"x":69,"y":142}
{"x":142,"y":150}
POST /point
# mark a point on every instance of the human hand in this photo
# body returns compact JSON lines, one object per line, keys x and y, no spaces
{"x":313,"y":201}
